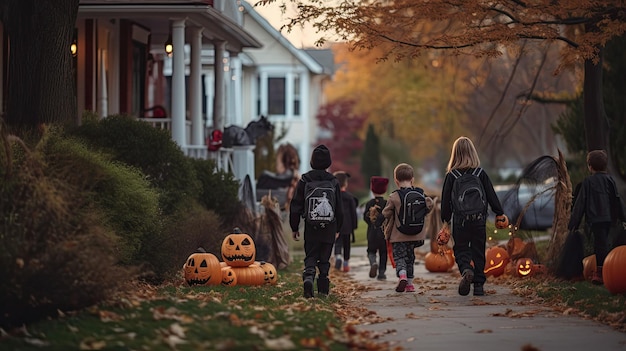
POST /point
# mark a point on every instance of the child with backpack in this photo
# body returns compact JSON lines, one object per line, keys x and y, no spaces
{"x":404,"y":215}
{"x":317,"y":200}
{"x":467,"y":191}
{"x":350,"y":223}
{"x":373,"y":216}
{"x":600,"y":203}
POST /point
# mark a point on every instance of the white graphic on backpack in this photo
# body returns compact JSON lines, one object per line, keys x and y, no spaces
{"x":320,"y":202}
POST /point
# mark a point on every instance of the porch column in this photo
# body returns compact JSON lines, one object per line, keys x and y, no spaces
{"x":195,"y":88}
{"x":236,"y":73}
{"x":178,"y":83}
{"x":218,"y":105}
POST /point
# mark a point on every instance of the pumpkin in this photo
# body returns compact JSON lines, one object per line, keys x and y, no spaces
{"x":229,"y":277}
{"x":250,"y":275}
{"x":238,"y":250}
{"x":496,"y":259}
{"x":524,"y":267}
{"x":202,"y":268}
{"x":271,"y":276}
{"x":589,"y":267}
{"x":502,"y":221}
{"x":614,"y":270}
{"x":437,"y":262}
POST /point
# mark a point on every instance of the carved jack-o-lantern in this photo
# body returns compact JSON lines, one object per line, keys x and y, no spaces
{"x":202,"y":268}
{"x":524,"y":267}
{"x":496,"y":259}
{"x":238,"y":250}
{"x":271,"y":276}
{"x":229,"y":277}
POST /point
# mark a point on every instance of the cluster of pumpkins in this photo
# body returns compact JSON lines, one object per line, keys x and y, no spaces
{"x":613,"y":270}
{"x":237,"y":268}
{"x":497,"y":261}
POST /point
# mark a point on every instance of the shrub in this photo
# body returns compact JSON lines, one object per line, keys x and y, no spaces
{"x":166,"y":252}
{"x":55,"y":255}
{"x":218,"y":189}
{"x":129,"y":204}
{"x":149,"y":149}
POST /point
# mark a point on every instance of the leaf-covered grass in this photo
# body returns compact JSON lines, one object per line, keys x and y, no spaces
{"x":193,"y":318}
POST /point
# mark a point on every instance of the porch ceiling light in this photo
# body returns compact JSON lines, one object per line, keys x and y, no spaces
{"x":169,"y":48}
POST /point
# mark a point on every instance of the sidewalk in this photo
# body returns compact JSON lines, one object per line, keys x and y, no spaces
{"x":436,"y":317}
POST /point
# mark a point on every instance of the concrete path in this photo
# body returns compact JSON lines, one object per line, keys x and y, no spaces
{"x":436,"y":317}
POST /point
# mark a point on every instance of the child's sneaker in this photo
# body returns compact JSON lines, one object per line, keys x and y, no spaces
{"x":402,"y":283}
{"x":338,"y":262}
{"x":382,"y":277}
{"x":409,"y":288}
{"x":373,"y":270}
{"x":308,"y":289}
{"x":466,"y":281}
{"x":346,"y":269}
{"x":479,"y":290}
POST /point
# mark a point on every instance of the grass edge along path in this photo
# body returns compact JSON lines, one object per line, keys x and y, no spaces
{"x":177,"y":317}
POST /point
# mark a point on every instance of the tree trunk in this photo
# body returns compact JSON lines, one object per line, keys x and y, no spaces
{"x":596,"y":121}
{"x":41,"y":83}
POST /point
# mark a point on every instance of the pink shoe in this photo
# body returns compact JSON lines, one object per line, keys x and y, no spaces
{"x":346,"y":268}
{"x":409,"y":288}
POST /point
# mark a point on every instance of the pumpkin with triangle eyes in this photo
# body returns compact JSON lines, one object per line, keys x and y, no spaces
{"x":271,"y":276}
{"x":229,"y":277}
{"x":238,"y":250}
{"x":202,"y":268}
{"x":496,"y":259}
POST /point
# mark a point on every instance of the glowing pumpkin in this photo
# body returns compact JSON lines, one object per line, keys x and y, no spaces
{"x":250,"y":275}
{"x":229,"y":277}
{"x":496,"y":259}
{"x":202,"y":268}
{"x":614,"y":270}
{"x":437,"y":262}
{"x":524,"y":267}
{"x":238,"y":250}
{"x":271,"y":276}
{"x":589,"y":267}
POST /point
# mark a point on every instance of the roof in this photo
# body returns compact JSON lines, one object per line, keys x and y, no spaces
{"x":324,"y":57}
{"x":311,"y":64}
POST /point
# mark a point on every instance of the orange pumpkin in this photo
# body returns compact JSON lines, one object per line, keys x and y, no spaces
{"x":202,"y":268}
{"x":437,"y":262}
{"x":502,"y":221}
{"x":229,"y":277}
{"x":496,"y":259}
{"x":524,"y":267}
{"x":238,"y":250}
{"x":614,"y":270}
{"x":589,"y":267}
{"x":271,"y":276}
{"x":250,"y":275}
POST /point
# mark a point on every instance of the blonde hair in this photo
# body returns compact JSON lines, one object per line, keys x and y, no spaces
{"x":463,"y":155}
{"x":403,"y":172}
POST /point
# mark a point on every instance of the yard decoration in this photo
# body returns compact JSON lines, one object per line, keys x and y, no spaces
{"x":524,"y":267}
{"x":496,"y":260}
{"x":229,"y":277}
{"x":614,"y":270}
{"x":202,"y":268}
{"x":438,"y":262}
{"x":589,"y":267}
{"x":238,"y":249}
{"x":270,"y":273}
{"x":250,"y":275}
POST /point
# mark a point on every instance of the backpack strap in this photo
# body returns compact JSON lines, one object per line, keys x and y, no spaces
{"x":477,"y":171}
{"x":455,"y":173}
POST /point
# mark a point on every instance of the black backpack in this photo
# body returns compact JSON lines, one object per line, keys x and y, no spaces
{"x":320,"y":200}
{"x":412,"y":210}
{"x":468,"y":195}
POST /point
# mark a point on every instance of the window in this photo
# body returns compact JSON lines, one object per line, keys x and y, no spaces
{"x":296,"y":96}
{"x":276,"y":96}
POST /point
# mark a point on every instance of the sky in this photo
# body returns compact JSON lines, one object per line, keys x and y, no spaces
{"x":300,"y":38}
